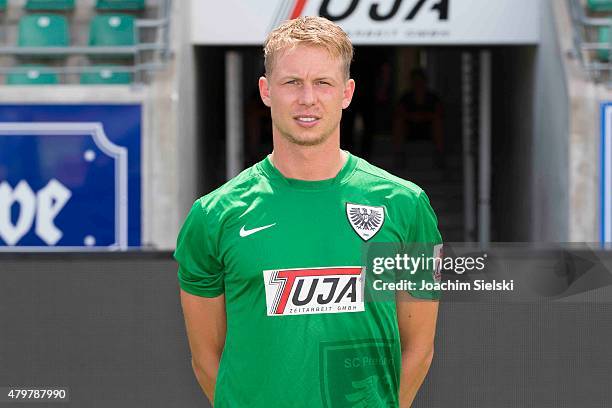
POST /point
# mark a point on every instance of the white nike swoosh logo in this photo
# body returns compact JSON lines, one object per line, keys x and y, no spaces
{"x":246,"y":233}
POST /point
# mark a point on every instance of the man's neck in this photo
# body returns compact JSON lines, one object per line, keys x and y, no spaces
{"x":308,"y":162}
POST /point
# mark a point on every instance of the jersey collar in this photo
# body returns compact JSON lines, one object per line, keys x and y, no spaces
{"x":276,"y":177}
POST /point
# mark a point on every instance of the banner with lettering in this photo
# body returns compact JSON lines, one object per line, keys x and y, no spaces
{"x":373,"y":22}
{"x":70,"y":177}
{"x":606,"y":173}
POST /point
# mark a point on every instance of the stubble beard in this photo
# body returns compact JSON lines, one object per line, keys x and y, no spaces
{"x":306,"y":141}
{"x":315,"y":141}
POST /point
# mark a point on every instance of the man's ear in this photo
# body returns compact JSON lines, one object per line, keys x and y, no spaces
{"x":349,"y":90}
{"x":264,"y":90}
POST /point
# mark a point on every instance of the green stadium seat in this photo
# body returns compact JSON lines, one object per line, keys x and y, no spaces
{"x":32,"y":77}
{"x":599,"y":5}
{"x":112,"y":30}
{"x":106,"y":76}
{"x":43,"y":30}
{"x":603,"y":36}
{"x":2,"y":5}
{"x":135,"y":5}
{"x":55,"y":5}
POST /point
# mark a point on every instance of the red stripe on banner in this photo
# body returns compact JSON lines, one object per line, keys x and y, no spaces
{"x":297,"y":9}
{"x":285,"y":296}
{"x":298,"y":273}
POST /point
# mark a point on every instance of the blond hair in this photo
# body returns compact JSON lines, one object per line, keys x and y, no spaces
{"x":310,"y":30}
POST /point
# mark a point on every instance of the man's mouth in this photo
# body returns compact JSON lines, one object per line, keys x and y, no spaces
{"x":306,"y":120}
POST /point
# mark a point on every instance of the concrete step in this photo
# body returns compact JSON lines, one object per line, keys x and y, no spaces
{"x":383,"y":145}
{"x":440,"y":204}
{"x":451,"y":234}
{"x":444,"y":187}
{"x":451,"y":189}
{"x":450,"y":220}
{"x":431,"y":178}
{"x":412,"y":149}
{"x":417,"y":163}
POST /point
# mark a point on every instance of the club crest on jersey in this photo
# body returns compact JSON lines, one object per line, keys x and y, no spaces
{"x":314,"y":290}
{"x":365,"y":220}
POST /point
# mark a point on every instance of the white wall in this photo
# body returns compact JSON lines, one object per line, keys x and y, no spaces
{"x":551,"y":216}
{"x":172,"y":162}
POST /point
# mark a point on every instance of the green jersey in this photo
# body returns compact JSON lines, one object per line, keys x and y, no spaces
{"x":287,"y":254}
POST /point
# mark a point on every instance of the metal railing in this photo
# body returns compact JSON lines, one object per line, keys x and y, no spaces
{"x":144,"y":57}
{"x":587,"y":46}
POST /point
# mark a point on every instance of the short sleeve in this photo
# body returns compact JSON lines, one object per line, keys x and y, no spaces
{"x":425,"y":227}
{"x":200,"y":272}
{"x":425,"y":240}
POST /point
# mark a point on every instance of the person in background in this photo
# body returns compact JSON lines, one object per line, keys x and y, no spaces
{"x":418,"y":116}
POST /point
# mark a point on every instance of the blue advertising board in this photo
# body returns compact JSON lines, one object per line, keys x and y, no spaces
{"x":606,"y":172}
{"x":70,"y":177}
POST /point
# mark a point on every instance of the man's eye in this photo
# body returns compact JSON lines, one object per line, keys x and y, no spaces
{"x":292,"y":82}
{"x":324,"y":83}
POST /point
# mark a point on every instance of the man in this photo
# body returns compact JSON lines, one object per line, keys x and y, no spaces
{"x":419,"y":116}
{"x":270,"y":263}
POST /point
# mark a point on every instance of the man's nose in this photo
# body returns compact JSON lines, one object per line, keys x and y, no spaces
{"x":307,"y":95}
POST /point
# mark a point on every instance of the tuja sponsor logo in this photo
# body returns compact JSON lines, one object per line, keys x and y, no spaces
{"x":314,"y":290}
{"x":405,"y":9}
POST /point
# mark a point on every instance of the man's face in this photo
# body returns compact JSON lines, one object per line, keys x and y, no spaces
{"x":306,"y":92}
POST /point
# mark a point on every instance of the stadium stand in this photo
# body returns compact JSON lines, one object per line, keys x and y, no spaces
{"x":112,"y":30}
{"x":2,"y":20}
{"x":35,"y":75}
{"x":603,"y":38}
{"x":129,"y":40}
{"x":50,"y":5}
{"x":599,"y":5}
{"x":592,"y":42}
{"x":44,"y":30}
{"x":106,"y":75}
{"x":136,"y":5}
